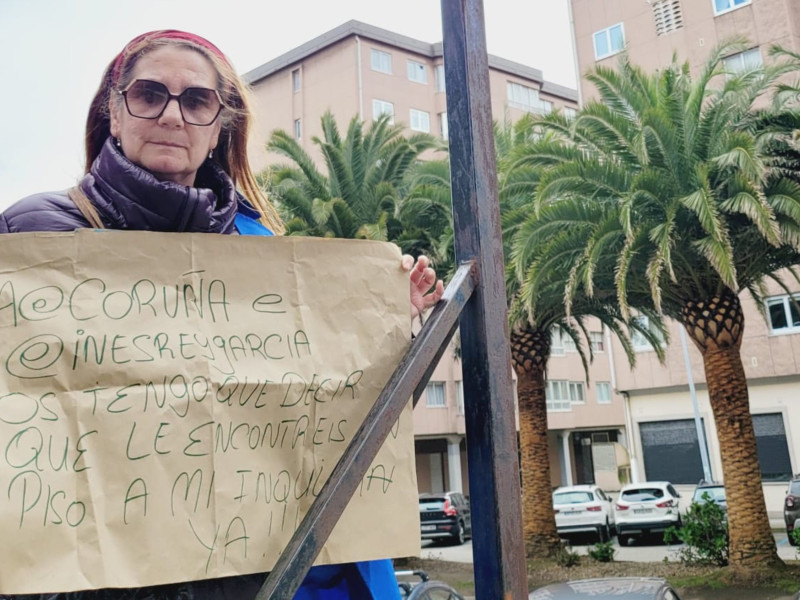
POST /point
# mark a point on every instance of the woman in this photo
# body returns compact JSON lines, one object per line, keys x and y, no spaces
{"x":166,"y":141}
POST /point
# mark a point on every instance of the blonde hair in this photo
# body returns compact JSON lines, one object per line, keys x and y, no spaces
{"x":236,"y":119}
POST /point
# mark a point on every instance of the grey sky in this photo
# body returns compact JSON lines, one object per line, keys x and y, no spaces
{"x":54,"y":52}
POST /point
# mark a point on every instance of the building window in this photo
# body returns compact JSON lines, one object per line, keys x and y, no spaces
{"x":576,"y":394}
{"x":723,"y":6}
{"x":381,"y":61}
{"x":667,"y":15}
{"x":638,"y":340}
{"x":568,"y":343}
{"x":609,"y":41}
{"x":773,"y":452}
{"x":444,"y":132}
{"x":570,"y":113}
{"x":561,"y":342}
{"x":417,"y":72}
{"x":743,"y":61}
{"x":784,"y":314}
{"x":460,"y":397}
{"x":438,"y":75}
{"x":296,"y":80}
{"x":671,"y":452}
{"x":603,"y":392}
{"x":557,"y":395}
{"x":561,"y":395}
{"x":298,"y":129}
{"x":596,"y":341}
{"x":524,"y":98}
{"x":420,"y":120}
{"x":380,"y":108}
{"x":434,"y":394}
{"x":556,"y":342}
{"x":546,"y":107}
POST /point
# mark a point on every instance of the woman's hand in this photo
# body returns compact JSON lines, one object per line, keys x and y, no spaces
{"x":423,"y":278}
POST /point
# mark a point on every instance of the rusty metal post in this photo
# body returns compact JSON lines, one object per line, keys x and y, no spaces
{"x":495,"y":497}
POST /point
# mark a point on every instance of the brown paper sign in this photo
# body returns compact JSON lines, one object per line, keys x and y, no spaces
{"x":171,"y":404}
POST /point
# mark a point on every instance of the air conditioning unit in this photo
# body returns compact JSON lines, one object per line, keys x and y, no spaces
{"x":601,"y":437}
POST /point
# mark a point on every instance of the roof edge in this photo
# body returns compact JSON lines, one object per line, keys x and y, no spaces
{"x":435,"y":50}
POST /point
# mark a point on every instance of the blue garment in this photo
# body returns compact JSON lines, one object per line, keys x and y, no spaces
{"x":366,"y":580}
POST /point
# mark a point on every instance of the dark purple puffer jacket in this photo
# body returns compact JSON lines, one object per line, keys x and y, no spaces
{"x":128,"y":197}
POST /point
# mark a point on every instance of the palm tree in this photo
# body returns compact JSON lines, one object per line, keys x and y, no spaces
{"x":540,"y":262}
{"x":363,"y":193}
{"x":699,"y":212}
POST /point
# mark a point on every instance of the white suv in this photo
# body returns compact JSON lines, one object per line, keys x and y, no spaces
{"x":644,"y":508}
{"x":582,"y":509}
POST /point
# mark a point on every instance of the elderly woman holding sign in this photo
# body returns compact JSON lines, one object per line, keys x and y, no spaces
{"x":166,"y":141}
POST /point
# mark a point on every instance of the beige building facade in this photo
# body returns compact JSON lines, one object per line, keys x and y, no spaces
{"x":622,"y":424}
{"x":357,"y":70}
{"x":664,"y":442}
{"x":651,"y":31}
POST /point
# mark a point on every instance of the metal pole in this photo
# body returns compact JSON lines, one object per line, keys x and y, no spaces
{"x":495,"y":498}
{"x":328,"y":506}
{"x":698,"y":423}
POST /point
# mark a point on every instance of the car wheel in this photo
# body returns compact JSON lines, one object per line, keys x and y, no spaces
{"x":623,"y":539}
{"x":459,"y":537}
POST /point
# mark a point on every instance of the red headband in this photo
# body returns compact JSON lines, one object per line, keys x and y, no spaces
{"x":169,"y":34}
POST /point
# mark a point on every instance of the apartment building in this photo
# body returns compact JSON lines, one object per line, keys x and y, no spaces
{"x":660,"y":414}
{"x":360,"y":70}
{"x":587,"y":430}
{"x":651,"y":31}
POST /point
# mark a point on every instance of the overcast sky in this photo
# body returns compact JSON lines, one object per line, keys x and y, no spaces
{"x":54,"y":52}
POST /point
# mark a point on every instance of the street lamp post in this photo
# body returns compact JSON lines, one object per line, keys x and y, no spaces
{"x":701,"y":435}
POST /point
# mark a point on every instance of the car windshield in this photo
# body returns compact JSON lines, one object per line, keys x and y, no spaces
{"x":717,"y":494}
{"x":572,"y":497}
{"x":431,"y":503}
{"x":642,"y":494}
{"x":794,"y":488}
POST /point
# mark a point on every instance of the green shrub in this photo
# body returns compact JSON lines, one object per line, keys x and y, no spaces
{"x":566,"y":557}
{"x":705,"y":533}
{"x":796,"y":538}
{"x":602,"y":552}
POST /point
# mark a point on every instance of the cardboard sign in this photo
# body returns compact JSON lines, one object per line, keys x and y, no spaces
{"x":171,"y":404}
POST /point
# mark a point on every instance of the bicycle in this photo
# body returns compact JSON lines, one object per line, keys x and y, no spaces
{"x":425,"y":589}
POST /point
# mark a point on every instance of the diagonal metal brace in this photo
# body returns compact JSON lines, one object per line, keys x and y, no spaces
{"x":410,"y":376}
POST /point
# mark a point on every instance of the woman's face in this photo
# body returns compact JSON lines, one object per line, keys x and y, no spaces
{"x":167,"y":147}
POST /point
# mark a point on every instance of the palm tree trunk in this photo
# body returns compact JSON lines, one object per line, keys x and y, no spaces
{"x":716,"y":326}
{"x":529,"y":350}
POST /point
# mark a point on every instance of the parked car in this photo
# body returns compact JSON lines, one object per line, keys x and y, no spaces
{"x":445,"y":517}
{"x":644,"y":508}
{"x":610,"y":588}
{"x":714,"y":491}
{"x":583,"y":509}
{"x":791,"y":507}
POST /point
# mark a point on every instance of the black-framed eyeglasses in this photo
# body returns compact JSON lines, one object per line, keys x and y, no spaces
{"x":147,"y":99}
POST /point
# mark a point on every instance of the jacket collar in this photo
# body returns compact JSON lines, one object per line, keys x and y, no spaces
{"x":128,"y":197}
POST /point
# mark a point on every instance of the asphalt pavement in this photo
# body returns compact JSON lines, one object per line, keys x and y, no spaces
{"x":645,"y":550}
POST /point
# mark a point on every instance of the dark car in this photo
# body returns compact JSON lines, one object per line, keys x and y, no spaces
{"x":711,"y":491}
{"x":445,"y":517}
{"x":791,"y":507}
{"x":610,"y":588}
